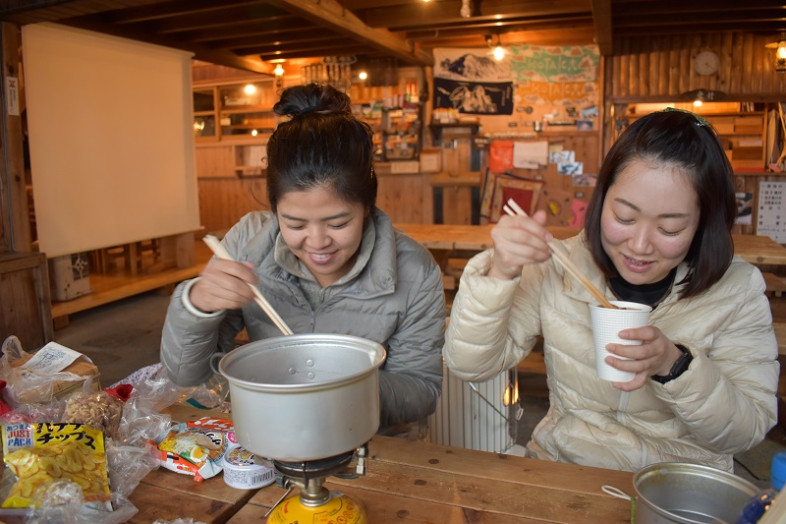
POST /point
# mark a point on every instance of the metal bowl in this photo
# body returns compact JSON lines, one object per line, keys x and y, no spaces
{"x":675,"y":492}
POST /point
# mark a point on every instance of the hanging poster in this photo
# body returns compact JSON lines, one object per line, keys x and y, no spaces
{"x":562,"y":76}
{"x":474,"y":98}
{"x":472,"y":82}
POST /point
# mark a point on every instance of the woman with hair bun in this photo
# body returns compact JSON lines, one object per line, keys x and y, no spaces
{"x":326,"y":258}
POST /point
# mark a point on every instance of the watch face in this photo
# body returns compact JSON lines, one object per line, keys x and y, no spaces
{"x":706,"y":63}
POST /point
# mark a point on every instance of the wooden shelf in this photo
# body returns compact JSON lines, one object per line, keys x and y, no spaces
{"x":117,"y":285}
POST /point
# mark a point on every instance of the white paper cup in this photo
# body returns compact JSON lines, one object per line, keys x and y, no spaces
{"x":606,"y":325}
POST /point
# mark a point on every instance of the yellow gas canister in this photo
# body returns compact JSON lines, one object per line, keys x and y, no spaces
{"x":338,"y":509}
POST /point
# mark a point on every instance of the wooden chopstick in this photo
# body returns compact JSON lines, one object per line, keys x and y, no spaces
{"x":512,"y":208}
{"x":213,"y":243}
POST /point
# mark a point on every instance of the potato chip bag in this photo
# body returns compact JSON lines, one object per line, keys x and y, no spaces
{"x":41,"y":453}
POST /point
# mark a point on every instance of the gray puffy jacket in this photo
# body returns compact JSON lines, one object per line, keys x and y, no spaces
{"x":396,"y":300}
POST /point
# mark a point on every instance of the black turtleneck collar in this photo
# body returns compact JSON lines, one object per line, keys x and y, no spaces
{"x":649,"y":294}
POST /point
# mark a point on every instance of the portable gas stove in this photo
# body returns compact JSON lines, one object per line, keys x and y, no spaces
{"x":316,"y":503}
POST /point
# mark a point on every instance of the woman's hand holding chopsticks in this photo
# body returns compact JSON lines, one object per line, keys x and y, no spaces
{"x":224,"y":284}
{"x":519,"y":241}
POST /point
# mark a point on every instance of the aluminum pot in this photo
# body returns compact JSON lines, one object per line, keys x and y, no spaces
{"x":304,"y":397}
{"x":675,"y":492}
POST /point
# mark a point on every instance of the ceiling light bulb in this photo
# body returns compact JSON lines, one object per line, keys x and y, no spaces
{"x":249,"y":89}
{"x":279,"y":70}
{"x":499,"y":53}
{"x":362,"y":75}
{"x":781,"y":52}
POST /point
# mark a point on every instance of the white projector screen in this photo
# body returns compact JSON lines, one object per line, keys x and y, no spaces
{"x":110,"y":136}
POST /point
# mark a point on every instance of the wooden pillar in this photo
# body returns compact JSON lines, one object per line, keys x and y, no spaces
{"x":15,"y":233}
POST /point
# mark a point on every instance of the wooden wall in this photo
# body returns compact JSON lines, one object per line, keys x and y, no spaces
{"x":222,"y":201}
{"x":406,"y":197}
{"x":663,"y":66}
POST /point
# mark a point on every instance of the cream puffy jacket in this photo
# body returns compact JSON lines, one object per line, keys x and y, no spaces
{"x":723,"y":404}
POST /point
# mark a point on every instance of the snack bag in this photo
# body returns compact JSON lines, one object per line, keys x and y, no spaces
{"x":195,"y":448}
{"x":42,"y":453}
{"x":97,"y":409}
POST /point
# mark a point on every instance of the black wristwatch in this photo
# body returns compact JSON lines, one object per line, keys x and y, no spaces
{"x":679,"y":367}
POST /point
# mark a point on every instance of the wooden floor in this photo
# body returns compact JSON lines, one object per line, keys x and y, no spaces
{"x":115,"y":285}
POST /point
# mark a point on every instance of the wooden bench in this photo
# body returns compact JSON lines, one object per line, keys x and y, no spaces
{"x":776,"y":286}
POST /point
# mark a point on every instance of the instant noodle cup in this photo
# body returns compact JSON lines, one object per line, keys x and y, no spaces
{"x":606,"y":325}
{"x":244,"y":470}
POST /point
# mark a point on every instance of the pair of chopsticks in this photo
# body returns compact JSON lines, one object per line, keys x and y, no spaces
{"x":513,"y":209}
{"x":213,"y":243}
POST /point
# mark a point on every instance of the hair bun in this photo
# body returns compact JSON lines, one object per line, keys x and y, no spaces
{"x":298,"y":101}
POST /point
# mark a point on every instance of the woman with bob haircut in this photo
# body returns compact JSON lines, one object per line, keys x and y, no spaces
{"x":328,"y":261}
{"x":657,"y":232}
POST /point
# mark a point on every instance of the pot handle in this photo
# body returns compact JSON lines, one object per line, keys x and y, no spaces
{"x":214,"y":358}
{"x":617,"y":492}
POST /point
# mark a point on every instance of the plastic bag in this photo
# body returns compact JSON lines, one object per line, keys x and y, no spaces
{"x":36,"y":378}
{"x":142,"y":420}
{"x":97,"y":409}
{"x":195,"y":448}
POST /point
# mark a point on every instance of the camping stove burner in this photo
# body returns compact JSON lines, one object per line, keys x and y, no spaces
{"x":315,"y":500}
{"x":309,"y":469}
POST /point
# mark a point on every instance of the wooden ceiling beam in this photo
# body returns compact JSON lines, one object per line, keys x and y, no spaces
{"x":332,"y":15}
{"x":321,"y":38}
{"x":275,"y":30}
{"x":480,"y":30}
{"x":601,"y":16}
{"x":420,"y":14}
{"x":331,"y":47}
{"x":272,"y":37}
{"x":203,"y":53}
{"x":161,"y":10}
{"x":225,"y":19}
{"x":568,"y":36}
{"x":320,"y":52}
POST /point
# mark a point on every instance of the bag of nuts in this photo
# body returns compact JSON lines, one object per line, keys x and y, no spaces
{"x":97,"y":409}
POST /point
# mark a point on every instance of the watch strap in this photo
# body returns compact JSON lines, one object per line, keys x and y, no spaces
{"x":678,"y":368}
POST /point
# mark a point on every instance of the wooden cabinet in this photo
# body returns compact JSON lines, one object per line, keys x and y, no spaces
{"x":25,"y":300}
{"x":743,"y":136}
{"x":740,"y":126}
{"x":232,"y":123}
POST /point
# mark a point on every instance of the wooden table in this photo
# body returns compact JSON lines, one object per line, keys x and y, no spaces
{"x":166,"y":495}
{"x":470,"y":239}
{"x":417,"y":482}
{"x":408,"y":481}
{"x":760,"y":250}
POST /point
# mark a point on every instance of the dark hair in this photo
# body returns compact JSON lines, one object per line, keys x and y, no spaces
{"x":688,"y":142}
{"x":321,"y":144}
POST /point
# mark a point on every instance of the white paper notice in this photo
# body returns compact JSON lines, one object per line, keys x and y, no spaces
{"x":51,"y":359}
{"x":12,"y":95}
{"x":530,"y":155}
{"x":771,"y":220}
